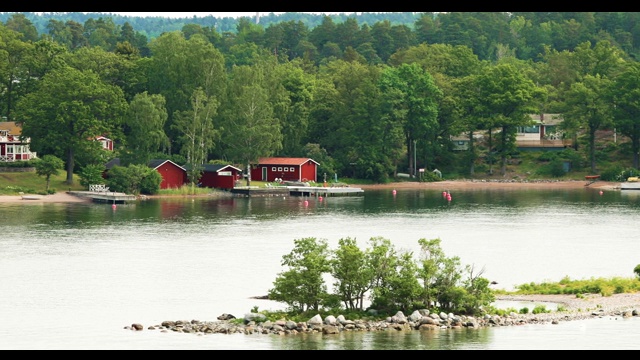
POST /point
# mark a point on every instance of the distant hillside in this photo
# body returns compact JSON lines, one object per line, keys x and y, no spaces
{"x":154,"y":26}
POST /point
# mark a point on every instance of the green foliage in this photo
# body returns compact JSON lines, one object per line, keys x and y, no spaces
{"x":150,"y":182}
{"x":556,"y":168}
{"x":392,"y":281}
{"x":47,"y":166}
{"x":187,"y":189}
{"x":540,"y":309}
{"x":91,"y":174}
{"x":352,"y":273}
{"x":20,"y":164}
{"x":636,"y":270}
{"x":134,"y":179}
{"x":605,"y":287}
{"x":176,"y":158}
{"x":302,"y":286}
{"x":67,"y":110}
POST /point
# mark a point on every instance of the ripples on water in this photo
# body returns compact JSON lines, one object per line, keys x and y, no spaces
{"x":73,"y":275}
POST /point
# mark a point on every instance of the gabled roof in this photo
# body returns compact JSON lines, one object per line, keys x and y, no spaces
{"x":284,"y":161}
{"x":112,"y":163}
{"x":156,"y":163}
{"x":213,"y":168}
{"x":12,"y":126}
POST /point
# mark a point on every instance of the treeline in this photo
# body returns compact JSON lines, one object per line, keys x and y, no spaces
{"x":365,"y":101}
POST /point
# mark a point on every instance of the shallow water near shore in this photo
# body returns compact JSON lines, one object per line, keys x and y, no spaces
{"x":74,"y":275}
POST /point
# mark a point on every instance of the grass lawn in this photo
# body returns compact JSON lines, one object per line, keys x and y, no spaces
{"x":13,"y":183}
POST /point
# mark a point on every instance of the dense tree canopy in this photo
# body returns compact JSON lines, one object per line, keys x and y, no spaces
{"x":373,"y":97}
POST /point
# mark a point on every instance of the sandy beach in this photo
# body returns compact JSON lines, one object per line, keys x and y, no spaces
{"x":59,"y":197}
{"x":496,"y":184}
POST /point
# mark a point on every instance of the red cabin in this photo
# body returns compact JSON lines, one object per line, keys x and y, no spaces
{"x":173,"y":175}
{"x":287,"y":169}
{"x":218,"y":176}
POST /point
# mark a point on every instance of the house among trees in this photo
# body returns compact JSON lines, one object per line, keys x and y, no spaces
{"x":173,"y":175}
{"x":544,"y":134}
{"x":12,"y":148}
{"x":218,"y":176}
{"x":287,"y":169}
{"x":107,"y":143}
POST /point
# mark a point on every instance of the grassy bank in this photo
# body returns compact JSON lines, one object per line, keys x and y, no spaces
{"x":14,"y":183}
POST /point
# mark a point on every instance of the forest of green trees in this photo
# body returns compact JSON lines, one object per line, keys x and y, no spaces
{"x":365,"y":97}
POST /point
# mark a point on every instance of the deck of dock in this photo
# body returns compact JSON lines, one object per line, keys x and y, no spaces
{"x":109,"y":197}
{"x":296,"y":191}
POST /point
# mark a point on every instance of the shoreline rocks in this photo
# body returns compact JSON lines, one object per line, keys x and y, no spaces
{"x":577,"y":308}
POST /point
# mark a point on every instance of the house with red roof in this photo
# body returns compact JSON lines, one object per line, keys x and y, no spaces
{"x":287,"y":169}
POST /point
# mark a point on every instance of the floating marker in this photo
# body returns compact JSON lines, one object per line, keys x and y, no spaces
{"x":113,"y":206}
{"x":444,"y":194}
{"x":394,"y":191}
{"x":320,"y":198}
{"x":601,"y":192}
{"x":306,"y":203}
{"x":448,"y":197}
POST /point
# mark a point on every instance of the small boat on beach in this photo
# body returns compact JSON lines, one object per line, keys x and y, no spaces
{"x":632,"y":183}
{"x":31,"y":197}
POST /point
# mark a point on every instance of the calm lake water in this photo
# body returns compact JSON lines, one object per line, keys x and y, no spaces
{"x":72,"y":276}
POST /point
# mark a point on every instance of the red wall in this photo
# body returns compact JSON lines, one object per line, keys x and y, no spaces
{"x":306,"y":171}
{"x":213,"y":180}
{"x":309,"y":171}
{"x":172,"y":176}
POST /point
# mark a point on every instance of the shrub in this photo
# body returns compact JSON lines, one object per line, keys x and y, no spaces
{"x":556,"y":168}
{"x":91,"y":174}
{"x":540,"y":309}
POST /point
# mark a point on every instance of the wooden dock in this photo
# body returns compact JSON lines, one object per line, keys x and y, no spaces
{"x":105,"y":197}
{"x":323,"y":191}
{"x":296,"y":191}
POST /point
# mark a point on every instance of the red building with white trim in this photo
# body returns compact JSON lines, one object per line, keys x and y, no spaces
{"x":12,"y":147}
{"x":218,"y":176}
{"x":287,"y":169}
{"x":173,"y":175}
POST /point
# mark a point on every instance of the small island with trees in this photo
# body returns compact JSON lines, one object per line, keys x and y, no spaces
{"x":404,"y":293}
